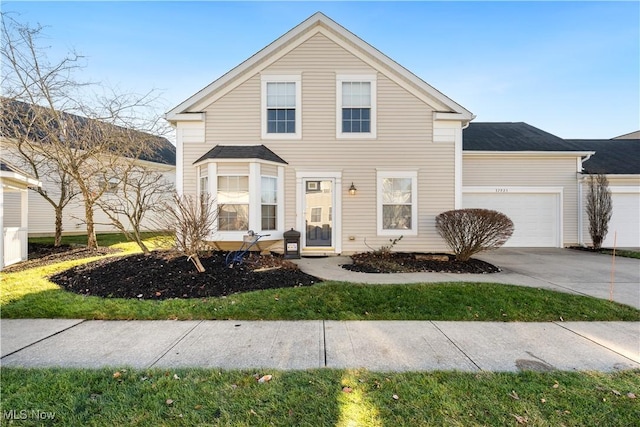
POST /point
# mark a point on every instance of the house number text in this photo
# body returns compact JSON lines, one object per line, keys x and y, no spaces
{"x":502,"y":190}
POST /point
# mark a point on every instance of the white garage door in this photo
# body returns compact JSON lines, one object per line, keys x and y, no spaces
{"x":625,"y":220}
{"x":536,"y":216}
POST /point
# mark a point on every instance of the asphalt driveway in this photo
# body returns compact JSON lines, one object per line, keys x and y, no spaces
{"x":570,"y":270}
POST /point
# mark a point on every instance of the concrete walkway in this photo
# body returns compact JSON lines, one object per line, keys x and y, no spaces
{"x":379,"y":345}
{"x":563,"y":270}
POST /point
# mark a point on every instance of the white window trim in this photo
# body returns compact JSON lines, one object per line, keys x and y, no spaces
{"x":345,"y":78}
{"x":255,"y":221}
{"x":414,"y":202}
{"x":289,"y":78}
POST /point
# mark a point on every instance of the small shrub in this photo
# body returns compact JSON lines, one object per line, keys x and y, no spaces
{"x":469,"y":231}
{"x":599,"y":208}
{"x":384,"y":249}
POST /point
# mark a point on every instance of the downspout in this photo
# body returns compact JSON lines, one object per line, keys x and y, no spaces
{"x":581,"y":199}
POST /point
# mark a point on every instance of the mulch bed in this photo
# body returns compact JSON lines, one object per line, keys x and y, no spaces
{"x":167,"y":274}
{"x":401,"y":262}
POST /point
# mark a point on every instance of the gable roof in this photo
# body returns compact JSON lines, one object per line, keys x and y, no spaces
{"x":164,"y":151}
{"x":241,"y":152}
{"x":612,"y":157}
{"x":11,"y":172}
{"x":320,"y":23}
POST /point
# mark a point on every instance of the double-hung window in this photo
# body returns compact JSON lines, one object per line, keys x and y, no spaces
{"x":397,"y":203}
{"x":356,"y":109}
{"x":281,"y":109}
{"x":269,"y":202}
{"x":233,"y":199}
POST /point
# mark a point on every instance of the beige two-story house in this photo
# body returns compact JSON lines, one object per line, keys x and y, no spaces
{"x":322,"y":133}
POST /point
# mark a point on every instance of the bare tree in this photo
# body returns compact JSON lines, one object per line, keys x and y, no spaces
{"x":136,"y":192}
{"x":190,"y":220}
{"x":469,"y":231}
{"x":19,"y":131}
{"x":599,"y":208}
{"x":82,"y":136}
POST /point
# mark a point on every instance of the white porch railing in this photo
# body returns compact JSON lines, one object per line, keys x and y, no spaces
{"x":15,"y":245}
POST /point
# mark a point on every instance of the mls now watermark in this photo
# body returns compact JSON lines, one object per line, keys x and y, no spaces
{"x":28,"y":414}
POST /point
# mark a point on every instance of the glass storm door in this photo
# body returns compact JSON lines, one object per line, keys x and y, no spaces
{"x":318,"y":212}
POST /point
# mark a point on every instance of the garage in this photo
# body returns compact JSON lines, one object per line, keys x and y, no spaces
{"x":625,"y":219}
{"x":535,"y":212}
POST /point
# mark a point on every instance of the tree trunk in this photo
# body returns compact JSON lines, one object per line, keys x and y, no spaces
{"x":58,"y":234}
{"x":92,"y":241}
{"x":196,"y":261}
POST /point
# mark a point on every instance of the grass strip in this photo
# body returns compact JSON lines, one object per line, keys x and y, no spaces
{"x":332,"y":301}
{"x":176,"y":397}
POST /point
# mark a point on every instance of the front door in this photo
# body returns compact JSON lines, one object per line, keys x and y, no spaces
{"x":318,"y":212}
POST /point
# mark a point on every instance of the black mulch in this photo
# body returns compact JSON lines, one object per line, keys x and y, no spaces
{"x":401,"y":262}
{"x":43,"y":254}
{"x":166,"y":274}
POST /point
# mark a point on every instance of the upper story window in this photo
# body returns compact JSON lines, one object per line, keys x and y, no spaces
{"x":356,"y":109}
{"x":281,"y":109}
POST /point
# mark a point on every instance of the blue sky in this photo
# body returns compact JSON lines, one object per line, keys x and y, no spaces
{"x":569,"y":68}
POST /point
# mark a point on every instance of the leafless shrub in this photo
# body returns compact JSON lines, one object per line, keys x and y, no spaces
{"x":139,"y":192}
{"x":469,"y":231}
{"x":599,"y":208}
{"x":190,"y":220}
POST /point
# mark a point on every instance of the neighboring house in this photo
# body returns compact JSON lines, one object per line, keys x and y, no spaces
{"x":14,"y":214}
{"x":539,"y":181}
{"x":41,"y":214}
{"x":619,"y":160}
{"x":321,"y":132}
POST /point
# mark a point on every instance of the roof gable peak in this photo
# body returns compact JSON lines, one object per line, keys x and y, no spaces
{"x":317,"y":23}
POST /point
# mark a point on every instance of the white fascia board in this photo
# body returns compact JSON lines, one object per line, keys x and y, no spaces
{"x":585,"y":176}
{"x":527,"y":153}
{"x":19,"y":179}
{"x":184,"y":117}
{"x":276,"y":50}
{"x":242,"y":160}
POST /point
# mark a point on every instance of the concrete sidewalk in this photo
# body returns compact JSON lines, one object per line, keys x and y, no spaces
{"x":375,"y":345}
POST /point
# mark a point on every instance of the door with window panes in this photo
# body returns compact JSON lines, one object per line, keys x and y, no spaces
{"x":318,"y":212}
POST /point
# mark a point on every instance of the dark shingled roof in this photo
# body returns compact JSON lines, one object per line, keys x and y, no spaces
{"x":510,"y":137}
{"x":613,"y":156}
{"x":241,"y":152}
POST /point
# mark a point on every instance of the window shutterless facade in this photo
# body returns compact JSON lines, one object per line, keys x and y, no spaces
{"x":281,"y":107}
{"x":356,"y":106}
{"x":397,"y":203}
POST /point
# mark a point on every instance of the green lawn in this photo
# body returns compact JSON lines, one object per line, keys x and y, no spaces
{"x":29,"y":294}
{"x":186,"y":397}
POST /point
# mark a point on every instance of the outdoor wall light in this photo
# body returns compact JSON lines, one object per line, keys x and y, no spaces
{"x":352,"y":189}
